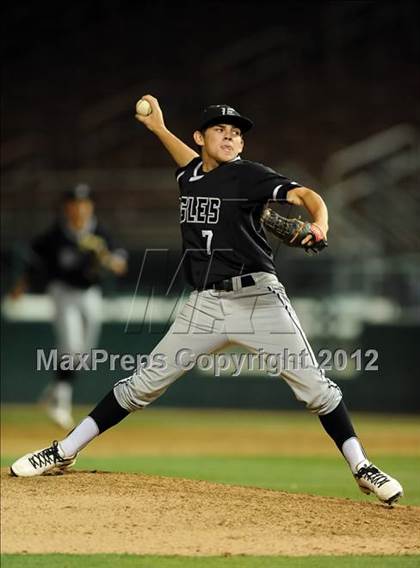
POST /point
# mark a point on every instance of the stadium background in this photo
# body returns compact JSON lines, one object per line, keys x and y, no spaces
{"x":333,"y":88}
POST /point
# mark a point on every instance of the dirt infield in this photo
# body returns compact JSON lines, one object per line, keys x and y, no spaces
{"x":89,"y":512}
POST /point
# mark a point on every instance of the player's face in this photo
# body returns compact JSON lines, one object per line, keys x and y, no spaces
{"x":221,"y":142}
{"x":78,"y":213}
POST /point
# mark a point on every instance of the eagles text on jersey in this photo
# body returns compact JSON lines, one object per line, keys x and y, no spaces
{"x":220,"y":215}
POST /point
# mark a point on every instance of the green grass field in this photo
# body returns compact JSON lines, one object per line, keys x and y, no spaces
{"x":322,"y":474}
{"x":129,"y":561}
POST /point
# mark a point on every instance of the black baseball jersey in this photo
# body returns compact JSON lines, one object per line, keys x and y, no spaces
{"x":57,"y":254}
{"x":220,"y":215}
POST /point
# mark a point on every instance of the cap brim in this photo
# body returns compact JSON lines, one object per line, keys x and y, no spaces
{"x":242,"y":122}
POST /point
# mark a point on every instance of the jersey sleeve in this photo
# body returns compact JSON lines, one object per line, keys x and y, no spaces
{"x":180,"y":172}
{"x":41,"y":249}
{"x":261,"y":183}
{"x":38,"y":256}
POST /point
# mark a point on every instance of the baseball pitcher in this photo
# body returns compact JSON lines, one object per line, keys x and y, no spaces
{"x":237,"y":296}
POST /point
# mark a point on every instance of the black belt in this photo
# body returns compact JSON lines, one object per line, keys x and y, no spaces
{"x":227,"y":284}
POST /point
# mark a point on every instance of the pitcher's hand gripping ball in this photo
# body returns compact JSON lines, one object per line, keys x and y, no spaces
{"x":293,"y":231}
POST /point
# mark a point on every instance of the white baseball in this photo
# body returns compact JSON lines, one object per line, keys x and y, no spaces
{"x":143,"y":107}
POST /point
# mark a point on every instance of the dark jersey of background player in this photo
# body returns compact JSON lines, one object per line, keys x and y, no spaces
{"x":220,"y":213}
{"x":61,"y":253}
{"x":58,"y":255}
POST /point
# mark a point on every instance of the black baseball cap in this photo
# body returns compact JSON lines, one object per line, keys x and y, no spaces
{"x":224,"y":114}
{"x":79,"y":192}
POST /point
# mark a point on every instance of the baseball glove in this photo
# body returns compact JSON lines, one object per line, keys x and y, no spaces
{"x":95,"y":245}
{"x":293,"y":231}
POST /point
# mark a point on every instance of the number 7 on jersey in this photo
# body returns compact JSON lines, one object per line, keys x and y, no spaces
{"x":207,"y":235}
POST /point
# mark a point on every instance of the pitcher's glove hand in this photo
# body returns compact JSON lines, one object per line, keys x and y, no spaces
{"x":293,"y":231}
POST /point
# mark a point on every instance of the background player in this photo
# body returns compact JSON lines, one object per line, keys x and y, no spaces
{"x":74,"y":255}
{"x":237,"y":296}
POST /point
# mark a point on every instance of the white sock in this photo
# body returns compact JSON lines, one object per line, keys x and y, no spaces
{"x":354,"y":453}
{"x":80,"y":437}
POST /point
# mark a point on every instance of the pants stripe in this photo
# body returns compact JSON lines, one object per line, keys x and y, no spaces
{"x":296,"y":323}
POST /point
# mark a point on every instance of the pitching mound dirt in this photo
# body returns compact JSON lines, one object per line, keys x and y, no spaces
{"x":88,"y":512}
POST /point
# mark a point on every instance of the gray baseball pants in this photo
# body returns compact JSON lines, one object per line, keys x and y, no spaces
{"x":260,"y":318}
{"x":77,"y":318}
